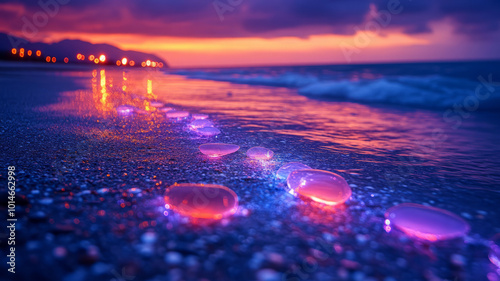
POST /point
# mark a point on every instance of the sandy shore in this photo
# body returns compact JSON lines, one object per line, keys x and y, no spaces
{"x":91,"y":193}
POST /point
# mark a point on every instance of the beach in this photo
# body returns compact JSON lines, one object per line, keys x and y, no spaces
{"x":91,"y":183}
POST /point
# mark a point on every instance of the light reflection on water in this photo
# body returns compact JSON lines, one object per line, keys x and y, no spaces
{"x":389,"y":134}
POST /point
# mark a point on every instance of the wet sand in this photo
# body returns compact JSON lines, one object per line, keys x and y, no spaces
{"x":77,"y":163}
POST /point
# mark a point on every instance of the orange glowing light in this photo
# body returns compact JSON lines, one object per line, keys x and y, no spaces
{"x":102,"y":58}
{"x":21,"y":55}
{"x":143,"y":64}
{"x":53,"y":59}
{"x":118,"y":62}
{"x":160,"y":64}
{"x":79,"y":56}
{"x":47,"y":59}
{"x":83,"y":57}
{"x":96,"y":60}
{"x":14,"y":51}
{"x":29,"y":53}
{"x":38,"y":53}
{"x":153,"y":64}
{"x":66,"y":60}
{"x":124,"y":61}
{"x":148,"y":63}
{"x":131,"y":63}
{"x":91,"y":57}
{"x":21,"y":50}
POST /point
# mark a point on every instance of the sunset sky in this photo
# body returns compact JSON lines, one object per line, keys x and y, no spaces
{"x":268,"y":32}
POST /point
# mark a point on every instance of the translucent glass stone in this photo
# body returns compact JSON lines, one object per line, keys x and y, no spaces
{"x":199,"y":116}
{"x":177,"y":114}
{"x":494,"y":254}
{"x":218,"y":149}
{"x":200,"y":123}
{"x":166,"y":109}
{"x":156,"y":104}
{"x":424,"y":222}
{"x":260,"y":153}
{"x":125,"y":110}
{"x":286,"y":169}
{"x":208,"y":131}
{"x":320,"y":186}
{"x":208,"y":201}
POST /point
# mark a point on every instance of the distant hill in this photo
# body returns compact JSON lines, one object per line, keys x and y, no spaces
{"x":70,"y":49}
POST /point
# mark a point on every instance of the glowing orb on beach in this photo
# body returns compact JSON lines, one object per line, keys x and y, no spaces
{"x":177,"y":114}
{"x":424,"y":222}
{"x":286,"y":169}
{"x":494,"y":254}
{"x":320,"y":186}
{"x":207,"y":201}
{"x":156,"y":104}
{"x":166,"y":109}
{"x":200,"y":123}
{"x":125,"y":110}
{"x":260,"y":153}
{"x":208,"y":131}
{"x":218,"y":149}
{"x":199,"y":116}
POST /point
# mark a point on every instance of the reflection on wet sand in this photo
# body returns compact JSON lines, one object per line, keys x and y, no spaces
{"x":341,"y":127}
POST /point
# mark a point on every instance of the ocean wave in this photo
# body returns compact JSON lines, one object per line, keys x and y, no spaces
{"x":434,"y":91}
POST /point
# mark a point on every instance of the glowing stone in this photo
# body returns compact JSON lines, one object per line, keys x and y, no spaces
{"x":208,"y":131}
{"x":218,"y":149}
{"x":156,"y":104}
{"x":424,"y":222}
{"x":201,"y":123}
{"x":125,"y":110}
{"x":286,"y":169}
{"x":166,"y":109}
{"x":177,"y":114}
{"x":200,"y":116}
{"x":207,"y":201}
{"x":494,"y":254}
{"x":260,"y":153}
{"x":321,"y":186}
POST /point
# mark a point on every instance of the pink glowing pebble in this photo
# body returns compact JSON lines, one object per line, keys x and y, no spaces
{"x":321,"y":186}
{"x":286,"y":169}
{"x":200,"y":123}
{"x":218,"y":149}
{"x":260,"y":153}
{"x":156,"y":104}
{"x":208,"y":131}
{"x":207,"y":201}
{"x":424,"y":222}
{"x":125,"y":110}
{"x":166,"y":109}
{"x":494,"y":254}
{"x":177,"y":114}
{"x":199,"y":116}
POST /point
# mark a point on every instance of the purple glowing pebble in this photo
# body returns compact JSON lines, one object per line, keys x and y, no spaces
{"x":166,"y":109}
{"x":177,"y":114}
{"x":125,"y":110}
{"x":200,"y":123}
{"x":218,"y":149}
{"x":494,"y":254}
{"x":156,"y":104}
{"x":427,"y":223}
{"x":199,"y":116}
{"x":320,"y":186}
{"x":286,"y":169}
{"x":208,"y":131}
{"x":260,"y":153}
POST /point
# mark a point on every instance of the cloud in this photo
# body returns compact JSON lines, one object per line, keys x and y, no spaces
{"x":250,"y":18}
